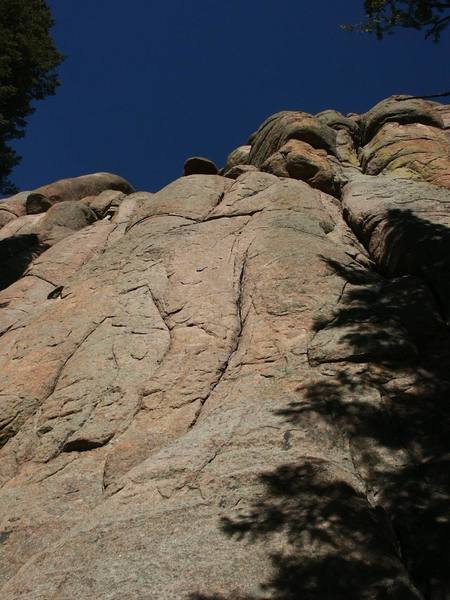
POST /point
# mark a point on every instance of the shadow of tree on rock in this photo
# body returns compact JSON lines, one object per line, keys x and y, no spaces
{"x":382,"y":377}
{"x":325,"y":523}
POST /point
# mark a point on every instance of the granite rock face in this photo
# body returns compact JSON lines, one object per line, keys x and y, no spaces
{"x":236,"y":388}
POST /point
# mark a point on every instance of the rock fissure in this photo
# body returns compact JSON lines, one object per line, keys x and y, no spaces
{"x":72,"y":354}
{"x":223,"y":368}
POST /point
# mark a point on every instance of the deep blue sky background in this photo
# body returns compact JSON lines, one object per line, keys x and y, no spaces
{"x":147,"y":84}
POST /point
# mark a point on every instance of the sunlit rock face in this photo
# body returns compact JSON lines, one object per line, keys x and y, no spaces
{"x":236,"y":388}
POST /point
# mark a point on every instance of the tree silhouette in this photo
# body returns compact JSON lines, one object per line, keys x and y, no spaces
{"x":384,"y":16}
{"x":28,"y":59}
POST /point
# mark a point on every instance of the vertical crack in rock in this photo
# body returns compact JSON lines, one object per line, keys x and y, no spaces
{"x":164,"y":318}
{"x":239,"y":283}
{"x":72,"y":354}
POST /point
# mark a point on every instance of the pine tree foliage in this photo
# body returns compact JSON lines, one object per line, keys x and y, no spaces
{"x":384,"y":16}
{"x":28,"y":59}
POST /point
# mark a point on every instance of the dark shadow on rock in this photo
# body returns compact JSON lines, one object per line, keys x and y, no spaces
{"x":417,"y":246}
{"x":325,"y":524}
{"x":413,"y":413}
{"x":412,"y":244}
{"x":16,"y":253}
{"x":392,"y":540}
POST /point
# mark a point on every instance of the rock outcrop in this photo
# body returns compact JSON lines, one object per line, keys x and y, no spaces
{"x":197,"y":165}
{"x":237,"y":387}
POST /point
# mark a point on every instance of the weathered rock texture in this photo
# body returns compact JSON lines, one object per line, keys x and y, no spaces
{"x":237,"y":387}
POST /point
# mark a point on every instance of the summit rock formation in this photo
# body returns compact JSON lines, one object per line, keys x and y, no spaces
{"x":238,"y":387}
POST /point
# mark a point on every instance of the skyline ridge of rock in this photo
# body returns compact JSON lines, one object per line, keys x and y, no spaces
{"x":237,"y":387}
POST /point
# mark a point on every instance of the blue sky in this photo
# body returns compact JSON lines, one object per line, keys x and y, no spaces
{"x":147,"y":84}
